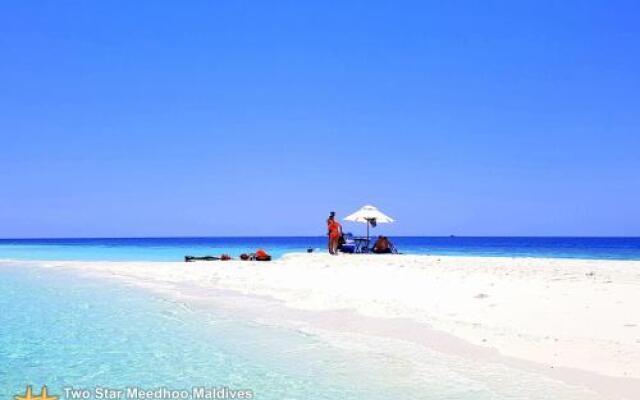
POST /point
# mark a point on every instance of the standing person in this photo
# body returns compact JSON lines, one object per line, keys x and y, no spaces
{"x":335,"y":231}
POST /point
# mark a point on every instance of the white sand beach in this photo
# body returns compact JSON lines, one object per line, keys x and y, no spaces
{"x":574,"y":320}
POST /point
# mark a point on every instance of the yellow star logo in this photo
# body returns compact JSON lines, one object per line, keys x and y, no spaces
{"x":28,"y":395}
{"x":44,"y":394}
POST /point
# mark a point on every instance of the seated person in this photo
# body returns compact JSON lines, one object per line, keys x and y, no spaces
{"x":382,"y":245}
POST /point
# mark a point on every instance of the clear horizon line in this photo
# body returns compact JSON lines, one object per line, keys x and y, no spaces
{"x":313,"y":236}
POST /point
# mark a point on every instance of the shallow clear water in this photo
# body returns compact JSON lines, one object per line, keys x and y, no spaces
{"x":64,"y":330}
{"x":61,"y":330}
{"x":174,"y":249}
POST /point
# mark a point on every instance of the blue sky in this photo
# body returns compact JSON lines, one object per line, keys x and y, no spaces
{"x":153,"y":118}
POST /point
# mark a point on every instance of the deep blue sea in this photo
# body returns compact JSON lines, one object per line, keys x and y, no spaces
{"x":174,"y":249}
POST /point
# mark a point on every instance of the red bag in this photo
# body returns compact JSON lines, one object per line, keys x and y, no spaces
{"x":261,"y":253}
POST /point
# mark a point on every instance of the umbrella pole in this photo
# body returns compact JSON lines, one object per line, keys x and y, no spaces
{"x":367,"y":233}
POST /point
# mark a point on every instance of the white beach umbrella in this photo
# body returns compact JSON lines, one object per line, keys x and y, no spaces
{"x":369,"y":215}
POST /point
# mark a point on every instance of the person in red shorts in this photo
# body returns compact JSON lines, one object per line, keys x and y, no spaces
{"x":335,"y":231}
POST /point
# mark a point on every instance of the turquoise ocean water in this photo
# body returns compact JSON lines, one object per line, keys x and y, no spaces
{"x":174,"y":249}
{"x":66,"y":330}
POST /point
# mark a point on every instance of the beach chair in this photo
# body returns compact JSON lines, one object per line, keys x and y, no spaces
{"x":349,"y":245}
